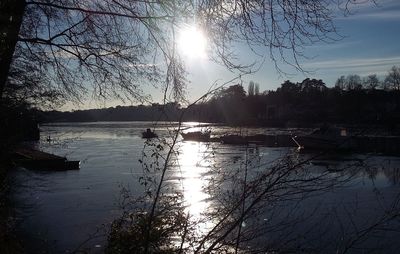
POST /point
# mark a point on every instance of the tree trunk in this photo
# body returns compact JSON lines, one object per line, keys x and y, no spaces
{"x":11,"y":15}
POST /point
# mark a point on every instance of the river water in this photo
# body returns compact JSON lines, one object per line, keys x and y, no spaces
{"x":61,"y":212}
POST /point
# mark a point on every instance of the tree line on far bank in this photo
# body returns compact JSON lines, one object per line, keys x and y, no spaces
{"x":353,"y":100}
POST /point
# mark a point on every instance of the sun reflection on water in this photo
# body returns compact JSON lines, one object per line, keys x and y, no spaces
{"x":193,"y":167}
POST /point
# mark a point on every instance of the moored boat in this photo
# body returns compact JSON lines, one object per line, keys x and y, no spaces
{"x":202,"y":136}
{"x":149,"y":134}
{"x":325,"y":138}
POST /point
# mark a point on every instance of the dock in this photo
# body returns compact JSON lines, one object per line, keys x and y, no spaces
{"x":388,"y":145}
{"x":39,"y":160}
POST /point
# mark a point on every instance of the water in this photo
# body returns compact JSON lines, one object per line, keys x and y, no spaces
{"x":59,"y":212}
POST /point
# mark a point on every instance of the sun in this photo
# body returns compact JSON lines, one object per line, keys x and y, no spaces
{"x":192,"y":42}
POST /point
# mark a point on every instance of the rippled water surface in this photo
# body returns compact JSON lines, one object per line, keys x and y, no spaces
{"x":59,"y":212}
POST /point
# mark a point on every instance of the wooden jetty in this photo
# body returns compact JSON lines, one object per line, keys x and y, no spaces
{"x":388,"y":145}
{"x":259,"y":139}
{"x":35,"y":159}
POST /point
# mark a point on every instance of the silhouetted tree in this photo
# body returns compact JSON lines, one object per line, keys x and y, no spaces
{"x":353,"y":82}
{"x":250,"y":89}
{"x":77,"y":45}
{"x":392,"y":80}
{"x":341,"y":83}
{"x":257,"y":89}
{"x":234,"y":92}
{"x":289,"y":88}
{"x":312,"y":85}
{"x":371,"y":82}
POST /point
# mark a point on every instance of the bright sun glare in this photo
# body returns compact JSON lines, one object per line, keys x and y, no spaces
{"x":192,"y":42}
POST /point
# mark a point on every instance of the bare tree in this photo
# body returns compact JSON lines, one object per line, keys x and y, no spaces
{"x":341,"y":83}
{"x":280,"y":28}
{"x":11,"y":14}
{"x":114,"y":47}
{"x":353,"y":82}
{"x":111,"y":48}
{"x":371,"y":82}
{"x":392,"y":80}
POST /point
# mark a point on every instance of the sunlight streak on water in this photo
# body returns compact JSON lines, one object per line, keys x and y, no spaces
{"x":194,"y":167}
{"x":192,"y":181}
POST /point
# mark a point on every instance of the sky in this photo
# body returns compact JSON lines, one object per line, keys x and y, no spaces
{"x":370,"y":45}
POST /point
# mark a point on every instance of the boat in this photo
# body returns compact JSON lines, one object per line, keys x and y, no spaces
{"x":202,"y":136}
{"x":149,"y":134}
{"x":325,"y":138}
{"x":35,"y":159}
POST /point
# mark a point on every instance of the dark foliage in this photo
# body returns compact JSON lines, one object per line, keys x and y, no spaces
{"x":18,"y":122}
{"x":306,"y":103}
